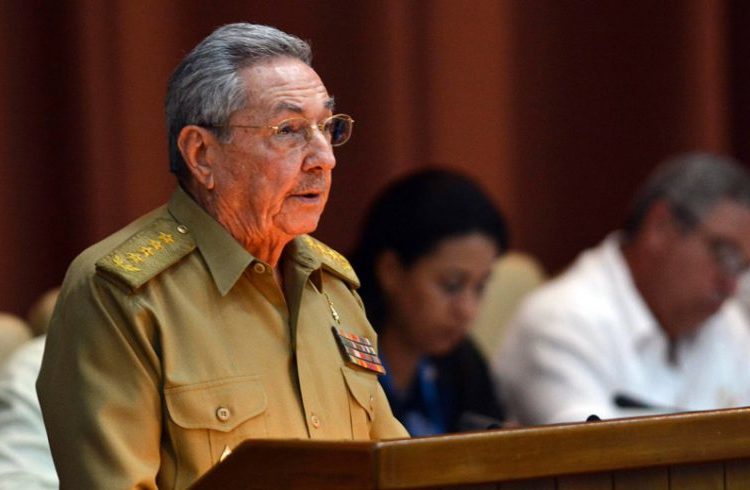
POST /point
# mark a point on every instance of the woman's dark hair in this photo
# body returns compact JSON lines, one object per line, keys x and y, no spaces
{"x":412,"y":216}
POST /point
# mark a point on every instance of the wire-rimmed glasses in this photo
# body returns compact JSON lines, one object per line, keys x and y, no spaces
{"x":297,"y":131}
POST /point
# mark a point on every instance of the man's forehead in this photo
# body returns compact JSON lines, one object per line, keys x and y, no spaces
{"x":290,"y":106}
{"x":285,"y":85}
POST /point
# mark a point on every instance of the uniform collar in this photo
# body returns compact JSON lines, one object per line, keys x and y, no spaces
{"x":300,"y":253}
{"x":310,"y":253}
{"x":225,"y":258}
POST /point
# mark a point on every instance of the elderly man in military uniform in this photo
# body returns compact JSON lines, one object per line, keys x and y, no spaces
{"x":216,"y":318}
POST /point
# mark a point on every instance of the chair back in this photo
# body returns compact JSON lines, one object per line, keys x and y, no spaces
{"x":514,"y":275}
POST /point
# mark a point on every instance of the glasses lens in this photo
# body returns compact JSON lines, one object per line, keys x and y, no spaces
{"x":292,"y":132}
{"x":340,"y":129}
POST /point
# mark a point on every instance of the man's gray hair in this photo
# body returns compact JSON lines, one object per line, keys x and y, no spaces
{"x":691,"y":184}
{"x":205,"y":88}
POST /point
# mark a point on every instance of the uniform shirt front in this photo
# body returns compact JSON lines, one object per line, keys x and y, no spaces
{"x":152,"y":372}
{"x":586,"y":343}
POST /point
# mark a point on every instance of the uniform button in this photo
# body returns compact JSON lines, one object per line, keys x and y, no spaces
{"x":259,"y":268}
{"x":315,"y":421}
{"x":223,"y":414}
{"x":182,"y":229}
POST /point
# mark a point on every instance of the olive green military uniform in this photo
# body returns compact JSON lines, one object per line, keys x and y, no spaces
{"x":171,"y":344}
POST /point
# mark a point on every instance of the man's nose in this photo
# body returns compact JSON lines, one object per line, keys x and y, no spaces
{"x":319,"y":152}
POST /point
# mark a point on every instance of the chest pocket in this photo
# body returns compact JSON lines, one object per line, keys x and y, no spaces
{"x":362,"y":388}
{"x":206,"y":418}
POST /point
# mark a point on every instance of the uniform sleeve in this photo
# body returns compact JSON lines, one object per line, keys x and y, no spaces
{"x":25,"y":460}
{"x":553,"y":366}
{"x":99,"y":388}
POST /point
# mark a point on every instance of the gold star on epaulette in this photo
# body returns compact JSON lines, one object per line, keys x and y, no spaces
{"x":159,"y":245}
{"x":330,"y":258}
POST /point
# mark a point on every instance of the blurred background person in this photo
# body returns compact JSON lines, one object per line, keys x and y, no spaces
{"x":13,"y":332}
{"x":425,"y":255}
{"x":25,"y":458}
{"x":647,"y":321}
{"x":40,"y":312}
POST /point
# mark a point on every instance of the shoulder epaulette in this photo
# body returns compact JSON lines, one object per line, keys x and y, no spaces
{"x":153,"y":249}
{"x":332,"y":260}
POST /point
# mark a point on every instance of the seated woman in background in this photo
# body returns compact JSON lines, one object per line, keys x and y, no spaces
{"x":424,"y":257}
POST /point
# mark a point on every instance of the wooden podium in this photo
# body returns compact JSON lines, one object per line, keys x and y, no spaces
{"x":698,"y":450}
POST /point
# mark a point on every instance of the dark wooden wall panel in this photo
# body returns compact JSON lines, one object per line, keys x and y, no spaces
{"x":596,"y":481}
{"x":737,"y":475}
{"x":643,"y":479}
{"x":708,"y":476}
{"x":535,"y":484}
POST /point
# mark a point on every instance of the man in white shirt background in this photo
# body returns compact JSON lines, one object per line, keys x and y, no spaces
{"x":646,"y":321}
{"x":25,"y":459}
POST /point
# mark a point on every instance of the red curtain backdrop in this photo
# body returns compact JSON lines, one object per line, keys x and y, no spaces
{"x":559,"y":107}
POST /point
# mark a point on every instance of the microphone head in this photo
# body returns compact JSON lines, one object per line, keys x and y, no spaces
{"x":471,"y":421}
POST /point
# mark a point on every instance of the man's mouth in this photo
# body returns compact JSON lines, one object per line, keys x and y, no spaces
{"x":308,"y":195}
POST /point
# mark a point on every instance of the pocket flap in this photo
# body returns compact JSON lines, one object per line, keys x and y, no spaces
{"x":218,"y":405}
{"x":362,"y":386}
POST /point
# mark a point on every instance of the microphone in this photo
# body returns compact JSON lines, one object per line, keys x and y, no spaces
{"x":626,"y":401}
{"x":471,"y":421}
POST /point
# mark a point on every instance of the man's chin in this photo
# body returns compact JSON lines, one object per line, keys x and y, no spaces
{"x":713,"y":306}
{"x":301,"y":226}
{"x":444,"y":347}
{"x":699,"y":318}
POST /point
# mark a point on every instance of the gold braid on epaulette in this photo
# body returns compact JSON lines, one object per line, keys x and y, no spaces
{"x":155,"y":248}
{"x":332,"y":259}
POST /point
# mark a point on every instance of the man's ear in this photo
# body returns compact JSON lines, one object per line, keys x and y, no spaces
{"x":198,"y":147}
{"x":389,"y":271}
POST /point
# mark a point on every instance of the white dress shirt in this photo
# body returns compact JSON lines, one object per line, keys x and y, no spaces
{"x":587,"y":339}
{"x":25,"y":460}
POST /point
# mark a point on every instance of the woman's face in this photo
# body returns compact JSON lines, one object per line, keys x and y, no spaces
{"x":432,"y":303}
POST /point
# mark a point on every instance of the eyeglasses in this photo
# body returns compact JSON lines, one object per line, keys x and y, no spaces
{"x":726,"y":254}
{"x":297,"y":131}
